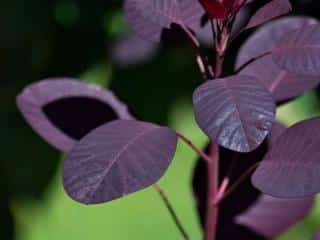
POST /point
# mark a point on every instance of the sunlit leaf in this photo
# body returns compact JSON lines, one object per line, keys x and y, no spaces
{"x":235,"y":112}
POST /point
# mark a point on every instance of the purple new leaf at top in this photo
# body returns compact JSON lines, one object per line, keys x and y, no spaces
{"x":236,"y":112}
{"x":298,"y":52}
{"x":282,"y":84}
{"x":62,"y":110}
{"x":272,"y":9}
{"x":117,"y":159}
{"x":291,"y":168}
{"x":148,"y":18}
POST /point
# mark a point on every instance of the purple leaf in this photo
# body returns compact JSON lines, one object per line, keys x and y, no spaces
{"x":130,"y":50}
{"x":272,"y":9}
{"x":235,"y":112}
{"x":263,"y":40}
{"x":316,"y":236}
{"x":298,"y":52}
{"x":117,"y":159}
{"x":291,"y":168}
{"x":148,"y":18}
{"x":281,"y":84}
{"x":63,"y":110}
{"x":271,"y":216}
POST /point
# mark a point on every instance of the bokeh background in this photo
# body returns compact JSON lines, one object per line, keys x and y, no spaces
{"x":86,"y":39}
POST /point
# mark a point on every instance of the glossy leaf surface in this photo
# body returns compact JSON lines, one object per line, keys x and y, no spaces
{"x":64,"y":110}
{"x":236,"y":112}
{"x":291,"y":168}
{"x":299,"y":51}
{"x":272,"y":9}
{"x":148,"y":18}
{"x":117,"y":159}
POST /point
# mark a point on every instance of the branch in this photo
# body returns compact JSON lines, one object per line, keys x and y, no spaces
{"x":202,"y":64}
{"x":171,"y":211}
{"x":241,"y":179}
{"x":202,"y":154}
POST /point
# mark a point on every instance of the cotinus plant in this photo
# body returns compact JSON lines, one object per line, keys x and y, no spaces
{"x":110,"y":154}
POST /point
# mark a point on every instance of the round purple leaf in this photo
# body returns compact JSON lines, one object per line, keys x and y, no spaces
{"x":117,"y":159}
{"x":235,"y":112}
{"x":298,"y":52}
{"x":148,"y":18}
{"x":268,"y":36}
{"x":281,"y":84}
{"x":271,"y":216}
{"x":63,"y":110}
{"x":272,"y":9}
{"x":291,"y":168}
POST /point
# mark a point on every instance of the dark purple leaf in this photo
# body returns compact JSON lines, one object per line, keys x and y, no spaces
{"x":117,"y":159}
{"x":271,"y":216}
{"x":281,"y":84}
{"x":316,"y":236}
{"x":298,"y":52}
{"x":291,"y":168}
{"x":272,"y":9}
{"x":130,"y":50}
{"x":148,"y":18}
{"x":63,"y":110}
{"x":235,"y":112}
{"x":268,"y":36}
{"x":235,"y":209}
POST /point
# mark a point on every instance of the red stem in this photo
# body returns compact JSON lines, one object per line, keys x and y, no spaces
{"x":221,"y":42}
{"x":213,"y":178}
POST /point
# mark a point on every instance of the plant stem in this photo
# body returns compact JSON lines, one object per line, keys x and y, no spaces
{"x":195,"y":148}
{"x":213,"y":178}
{"x":204,"y":67}
{"x":237,"y":183}
{"x":213,"y":192}
{"x":219,"y":65}
{"x":171,"y":211}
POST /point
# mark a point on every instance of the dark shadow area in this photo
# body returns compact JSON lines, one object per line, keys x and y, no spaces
{"x":77,"y":116}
